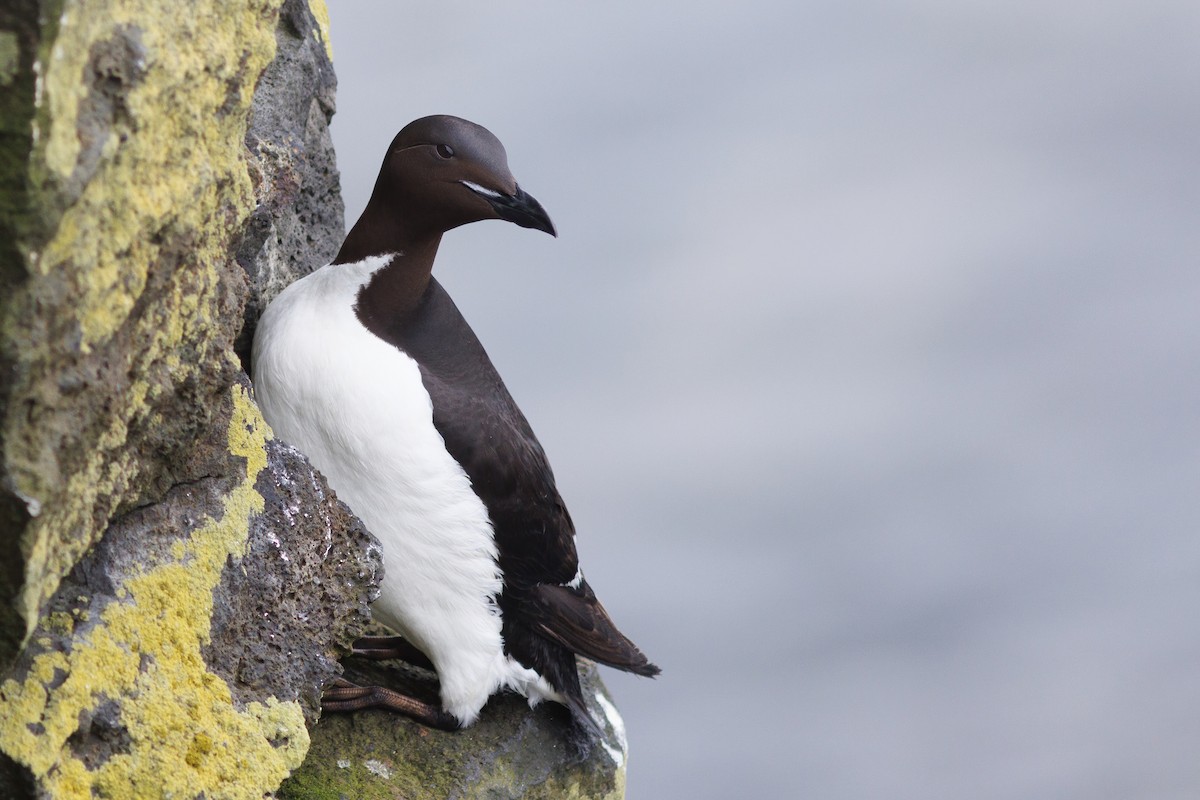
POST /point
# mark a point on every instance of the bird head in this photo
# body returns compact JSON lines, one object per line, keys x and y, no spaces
{"x":441,"y":172}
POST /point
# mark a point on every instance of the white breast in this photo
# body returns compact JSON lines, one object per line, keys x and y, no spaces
{"x":356,"y":406}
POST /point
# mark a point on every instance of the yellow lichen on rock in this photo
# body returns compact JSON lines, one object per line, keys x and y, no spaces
{"x":320,"y":13}
{"x":185,"y":734}
{"x":192,"y":80}
{"x":165,"y":162}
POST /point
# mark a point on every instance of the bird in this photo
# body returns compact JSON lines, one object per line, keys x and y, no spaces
{"x":367,"y":366}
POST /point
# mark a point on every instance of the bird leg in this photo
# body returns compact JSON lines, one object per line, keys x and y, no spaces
{"x":347,"y":696}
{"x":381,"y":648}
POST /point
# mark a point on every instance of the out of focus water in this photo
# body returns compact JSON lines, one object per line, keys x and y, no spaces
{"x":867,"y":361}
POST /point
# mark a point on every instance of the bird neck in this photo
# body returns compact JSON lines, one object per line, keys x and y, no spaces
{"x":385,"y":228}
{"x":395,"y":290}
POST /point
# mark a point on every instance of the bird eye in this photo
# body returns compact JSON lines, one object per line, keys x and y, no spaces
{"x":445,"y":151}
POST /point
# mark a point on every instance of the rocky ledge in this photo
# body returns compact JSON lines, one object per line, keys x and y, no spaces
{"x":177,"y":586}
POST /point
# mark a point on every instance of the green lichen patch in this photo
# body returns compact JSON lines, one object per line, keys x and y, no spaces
{"x":10,"y":57}
{"x":511,"y":752}
{"x":182,"y":733}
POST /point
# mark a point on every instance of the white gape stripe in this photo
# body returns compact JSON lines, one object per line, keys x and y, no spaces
{"x":483,"y":190}
{"x":356,"y":406}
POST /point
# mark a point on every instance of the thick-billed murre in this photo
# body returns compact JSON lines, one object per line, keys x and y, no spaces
{"x":368,"y":367}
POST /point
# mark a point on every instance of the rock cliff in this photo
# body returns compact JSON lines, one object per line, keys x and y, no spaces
{"x":176,"y":586}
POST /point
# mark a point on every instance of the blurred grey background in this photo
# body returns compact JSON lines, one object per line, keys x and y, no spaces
{"x":867,"y":362}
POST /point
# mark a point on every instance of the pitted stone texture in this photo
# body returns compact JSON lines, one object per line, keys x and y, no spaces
{"x":299,"y":596}
{"x":299,"y":223}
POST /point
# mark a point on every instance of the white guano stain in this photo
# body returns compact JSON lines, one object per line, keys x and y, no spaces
{"x":618,"y":728}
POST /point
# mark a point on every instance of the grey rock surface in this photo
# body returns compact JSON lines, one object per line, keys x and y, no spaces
{"x":299,"y":223}
{"x":298,"y":597}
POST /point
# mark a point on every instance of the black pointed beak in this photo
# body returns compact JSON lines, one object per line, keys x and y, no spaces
{"x":521,"y":208}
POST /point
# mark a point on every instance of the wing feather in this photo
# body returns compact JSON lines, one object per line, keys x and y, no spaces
{"x":575,"y":619}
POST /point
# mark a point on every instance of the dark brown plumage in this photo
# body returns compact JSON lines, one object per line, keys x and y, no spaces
{"x":439,"y":173}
